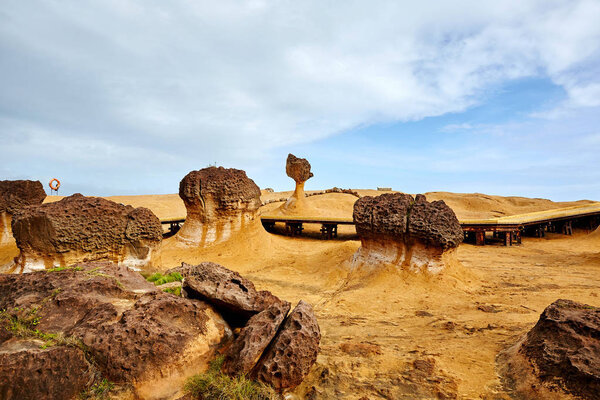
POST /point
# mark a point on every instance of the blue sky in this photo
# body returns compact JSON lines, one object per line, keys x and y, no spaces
{"x":127,"y":96}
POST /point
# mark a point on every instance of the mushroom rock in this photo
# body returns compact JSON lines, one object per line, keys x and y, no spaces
{"x":299,"y":170}
{"x":79,"y":228}
{"x":406,"y":232}
{"x":219,"y":202}
{"x":15,"y":195}
{"x":294,"y":350}
{"x":561,"y":353}
{"x":133,"y":334}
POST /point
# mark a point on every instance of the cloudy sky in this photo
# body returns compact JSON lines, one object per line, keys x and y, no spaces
{"x":127,"y":96}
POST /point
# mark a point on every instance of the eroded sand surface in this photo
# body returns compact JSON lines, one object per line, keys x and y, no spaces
{"x":390,"y":335}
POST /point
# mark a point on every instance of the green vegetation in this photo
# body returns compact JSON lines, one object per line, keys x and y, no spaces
{"x":214,"y":385}
{"x":94,"y":272}
{"x":159,"y":279}
{"x":99,"y":390}
{"x":23,"y":325}
{"x":58,"y":269}
{"x":174,"y":290}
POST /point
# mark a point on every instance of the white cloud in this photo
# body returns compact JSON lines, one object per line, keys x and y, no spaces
{"x":230,"y":81}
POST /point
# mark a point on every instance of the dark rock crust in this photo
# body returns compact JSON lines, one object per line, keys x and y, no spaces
{"x":228,"y":187}
{"x":129,"y":329}
{"x":87,"y":224}
{"x":293,"y":351}
{"x":298,"y":168}
{"x":565,"y":344}
{"x":245,"y":351}
{"x":401,"y":217}
{"x":234,"y":296}
{"x":16,"y":195}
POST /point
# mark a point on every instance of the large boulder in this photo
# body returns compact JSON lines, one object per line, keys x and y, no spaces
{"x":133,"y":334}
{"x":219,"y":202}
{"x":246,"y":349}
{"x":234,"y":296}
{"x":288,"y":359}
{"x":560,"y":354}
{"x":29,"y":372}
{"x":406,"y":232}
{"x":299,"y":170}
{"x":14,"y":196}
{"x":79,"y":228}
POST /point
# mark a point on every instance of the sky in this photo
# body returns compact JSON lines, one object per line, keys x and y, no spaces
{"x":127,"y":96}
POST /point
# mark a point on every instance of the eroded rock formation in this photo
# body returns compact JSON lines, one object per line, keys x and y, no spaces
{"x":254,"y":338}
{"x":233,"y":295}
{"x":219,"y":202}
{"x":14,"y":196}
{"x":561,"y":353}
{"x":277,"y":350}
{"x":406,"y":232}
{"x":299,"y":170}
{"x":132,"y":333}
{"x":79,"y":228}
{"x":293,"y":351}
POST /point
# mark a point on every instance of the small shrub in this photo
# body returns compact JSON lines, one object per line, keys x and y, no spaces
{"x":160,"y":279}
{"x":99,"y":390}
{"x":214,"y":385}
{"x":174,"y":290}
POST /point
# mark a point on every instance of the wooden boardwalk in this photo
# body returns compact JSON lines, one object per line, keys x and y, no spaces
{"x":507,"y":229}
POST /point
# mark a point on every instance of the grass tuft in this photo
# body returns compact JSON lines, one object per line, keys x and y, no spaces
{"x":173,"y":290}
{"x":160,"y":279}
{"x":98,"y":391}
{"x":214,"y":385}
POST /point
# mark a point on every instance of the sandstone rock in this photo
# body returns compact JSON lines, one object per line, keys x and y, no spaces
{"x":245,"y":351}
{"x":293,"y":351}
{"x":219,"y":203}
{"x":133,"y":333}
{"x":560,"y":353}
{"x":79,"y":228}
{"x":299,"y":170}
{"x":14,"y":196}
{"x":233,"y":295}
{"x":409,"y":233}
{"x":28,"y":372}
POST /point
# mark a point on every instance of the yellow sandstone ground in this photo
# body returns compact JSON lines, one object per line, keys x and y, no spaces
{"x":392,"y":336}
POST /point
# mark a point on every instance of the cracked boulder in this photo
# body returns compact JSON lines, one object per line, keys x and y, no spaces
{"x":409,"y":233}
{"x":289,"y":358}
{"x":79,"y":228}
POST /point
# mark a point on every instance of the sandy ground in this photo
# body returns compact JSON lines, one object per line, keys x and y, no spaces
{"x":388,"y":335}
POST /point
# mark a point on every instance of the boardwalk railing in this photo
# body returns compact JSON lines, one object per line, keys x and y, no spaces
{"x":509,"y":229}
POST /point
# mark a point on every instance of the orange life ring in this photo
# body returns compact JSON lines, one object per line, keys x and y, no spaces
{"x":56,"y":184}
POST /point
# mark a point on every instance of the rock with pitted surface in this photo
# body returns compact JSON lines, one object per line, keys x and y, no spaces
{"x":246,"y":349}
{"x":79,"y":228}
{"x":64,"y":370}
{"x":407,"y":232}
{"x":133,"y":333}
{"x":294,"y":350}
{"x":234,"y":296}
{"x":299,"y":170}
{"x":561,"y":353}
{"x":219,"y":202}
{"x":14,"y":196}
